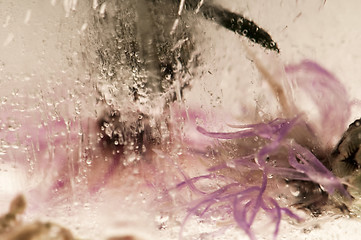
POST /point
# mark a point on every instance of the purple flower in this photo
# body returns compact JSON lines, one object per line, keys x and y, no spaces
{"x":274,"y":150}
{"x":229,"y":173}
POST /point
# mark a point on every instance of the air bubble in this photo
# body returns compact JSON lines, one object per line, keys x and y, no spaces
{"x":231,"y":164}
{"x":110,"y":73}
{"x":168,"y":76}
{"x":88,"y":161}
{"x":27,"y":16}
{"x":295,"y":193}
{"x":240,"y":21}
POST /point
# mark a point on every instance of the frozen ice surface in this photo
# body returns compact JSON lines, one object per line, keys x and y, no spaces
{"x":59,"y":73}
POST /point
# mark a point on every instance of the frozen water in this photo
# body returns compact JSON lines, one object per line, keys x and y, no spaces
{"x":89,"y":91}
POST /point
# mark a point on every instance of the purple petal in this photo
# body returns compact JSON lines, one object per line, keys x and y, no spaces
{"x":328,"y":94}
{"x":314,"y":169}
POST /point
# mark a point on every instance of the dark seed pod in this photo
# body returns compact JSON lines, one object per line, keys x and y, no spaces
{"x":234,"y":22}
{"x":346,"y":157}
{"x":240,"y":25}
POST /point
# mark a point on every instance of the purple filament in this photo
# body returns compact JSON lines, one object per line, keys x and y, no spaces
{"x":247,"y":200}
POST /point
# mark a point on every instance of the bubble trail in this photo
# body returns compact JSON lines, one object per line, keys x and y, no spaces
{"x":236,"y":23}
